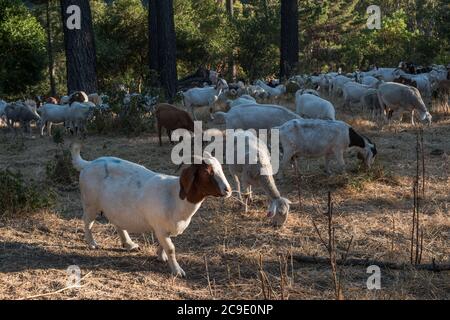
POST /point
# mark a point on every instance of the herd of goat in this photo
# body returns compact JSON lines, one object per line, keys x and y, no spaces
{"x":138,"y":200}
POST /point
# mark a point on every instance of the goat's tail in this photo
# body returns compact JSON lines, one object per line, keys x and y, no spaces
{"x":77,"y":161}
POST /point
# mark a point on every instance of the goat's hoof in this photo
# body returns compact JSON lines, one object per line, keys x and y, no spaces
{"x":178,"y":272}
{"x":93,"y":246}
{"x":131,"y":246}
{"x":162,"y":257}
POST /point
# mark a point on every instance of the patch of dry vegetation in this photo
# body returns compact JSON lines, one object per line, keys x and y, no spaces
{"x":241,"y":251}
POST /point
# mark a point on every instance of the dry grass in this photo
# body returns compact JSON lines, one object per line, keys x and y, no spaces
{"x":36,"y":250}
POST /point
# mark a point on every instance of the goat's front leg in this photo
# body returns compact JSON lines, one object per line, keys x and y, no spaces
{"x":247,"y":192}
{"x":127,"y":243}
{"x":340,"y":160}
{"x":327,"y":164}
{"x":412,"y":118}
{"x":167,"y":245}
{"x":285,"y":161}
{"x":193,"y":114}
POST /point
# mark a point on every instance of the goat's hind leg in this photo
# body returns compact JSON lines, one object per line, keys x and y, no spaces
{"x":127,"y":243}
{"x":162,"y":255}
{"x":89,"y":215}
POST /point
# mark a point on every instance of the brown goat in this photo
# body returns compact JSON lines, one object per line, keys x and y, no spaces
{"x":52,"y":100}
{"x":172,"y":118}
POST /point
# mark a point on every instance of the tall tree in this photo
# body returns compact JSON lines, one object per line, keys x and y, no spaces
{"x":165,"y":45}
{"x":289,"y":37}
{"x":153,"y":35}
{"x":51,"y":63}
{"x":231,"y":64}
{"x":79,"y":46}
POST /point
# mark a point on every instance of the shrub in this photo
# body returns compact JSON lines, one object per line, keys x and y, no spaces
{"x":60,"y":169}
{"x":18,"y":196}
{"x":131,"y":119}
{"x":103,"y":121}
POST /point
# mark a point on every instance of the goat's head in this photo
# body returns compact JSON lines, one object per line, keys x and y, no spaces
{"x":221,"y":85}
{"x":279,"y":210}
{"x":426,"y":116}
{"x":78,"y":96}
{"x":199,"y":181}
{"x":368,"y":153}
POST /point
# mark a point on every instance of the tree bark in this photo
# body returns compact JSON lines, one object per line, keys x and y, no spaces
{"x":231,"y":63}
{"x":289,"y":46}
{"x":165,"y":47}
{"x":80,"y":49}
{"x":230,"y":8}
{"x":51,"y":63}
{"x":153,"y":35}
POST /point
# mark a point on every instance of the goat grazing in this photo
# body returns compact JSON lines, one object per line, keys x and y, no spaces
{"x":313,"y":138}
{"x":399,"y":97}
{"x":255,"y":116}
{"x":314,"y":107}
{"x":258,"y":173}
{"x":172,"y":118}
{"x":23,"y":112}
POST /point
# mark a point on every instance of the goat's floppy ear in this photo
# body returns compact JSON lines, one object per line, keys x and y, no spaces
{"x":187,"y":180}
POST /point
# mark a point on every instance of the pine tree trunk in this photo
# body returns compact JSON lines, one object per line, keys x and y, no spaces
{"x":231,"y":64}
{"x":289,"y":46}
{"x":230,"y":8}
{"x":51,"y":64}
{"x":166,"y":48}
{"x":153,"y":35}
{"x":80,"y":49}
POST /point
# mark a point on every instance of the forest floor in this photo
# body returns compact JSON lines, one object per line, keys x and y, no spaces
{"x":225,"y":245}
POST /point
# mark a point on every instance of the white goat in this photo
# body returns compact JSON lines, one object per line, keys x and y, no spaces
{"x":273,"y":92}
{"x":204,"y":96}
{"x":74,"y":116}
{"x":139,"y":200}
{"x":370,"y":81}
{"x":256,"y":116}
{"x":312,"y":138}
{"x":242,"y":100}
{"x":257,"y":92}
{"x":257,"y":171}
{"x":352,"y":93}
{"x":336,"y":85}
{"x":50,"y":114}
{"x":396,"y":97}
{"x":314,"y":107}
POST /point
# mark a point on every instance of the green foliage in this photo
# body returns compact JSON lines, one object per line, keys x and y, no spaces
{"x":134,"y":119}
{"x":20,"y":197}
{"x":332,"y":34}
{"x":58,"y":135}
{"x":121,"y":31}
{"x":60,"y":170}
{"x":131,"y":119}
{"x":22,"y":53}
{"x":205,"y":35}
{"x":258,"y":29}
